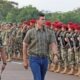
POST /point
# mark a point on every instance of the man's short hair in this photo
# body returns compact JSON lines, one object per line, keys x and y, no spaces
{"x":40,"y":14}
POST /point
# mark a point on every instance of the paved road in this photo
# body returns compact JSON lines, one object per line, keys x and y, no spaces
{"x":15,"y":71}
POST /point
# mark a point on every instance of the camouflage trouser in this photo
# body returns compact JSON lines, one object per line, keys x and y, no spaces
{"x":77,"y":57}
{"x":50,"y":57}
{"x":5,"y":48}
{"x":18,"y":47}
{"x":60,"y":61}
{"x":1,"y":45}
{"x":64,"y":57}
{"x":9,"y":50}
{"x":71,"y":57}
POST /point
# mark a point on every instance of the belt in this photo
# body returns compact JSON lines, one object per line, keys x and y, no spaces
{"x":38,"y":56}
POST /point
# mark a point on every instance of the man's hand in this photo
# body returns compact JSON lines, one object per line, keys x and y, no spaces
{"x":25,"y":64}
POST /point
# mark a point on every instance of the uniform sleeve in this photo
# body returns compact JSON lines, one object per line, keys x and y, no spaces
{"x":27,"y":38}
{"x":53,"y":37}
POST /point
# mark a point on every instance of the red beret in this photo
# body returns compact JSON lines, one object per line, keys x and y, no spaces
{"x":33,"y":21}
{"x":71,"y":26}
{"x":79,"y":28}
{"x":48,"y":23}
{"x":57,"y":24}
{"x":70,"y":23}
{"x":64,"y":26}
{"x":26,"y":22}
{"x":76,"y":26}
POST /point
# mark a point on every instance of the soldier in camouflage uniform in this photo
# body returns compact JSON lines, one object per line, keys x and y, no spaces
{"x":76,"y":41}
{"x":63,"y":49}
{"x":4,"y":36}
{"x":28,"y":25}
{"x":9,"y":42}
{"x":2,"y":51}
{"x":57,"y":28}
{"x":71,"y":54}
{"x":32,"y":23}
{"x":14,"y":30}
{"x":18,"y":43}
{"x":25,"y":26}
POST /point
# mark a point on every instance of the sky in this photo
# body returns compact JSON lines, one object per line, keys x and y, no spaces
{"x":50,"y":5}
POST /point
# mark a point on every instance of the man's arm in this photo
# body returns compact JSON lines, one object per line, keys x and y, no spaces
{"x":26,"y":42}
{"x":25,"y":55}
{"x":55,"y":52}
{"x":53,"y":43}
{"x":54,"y":48}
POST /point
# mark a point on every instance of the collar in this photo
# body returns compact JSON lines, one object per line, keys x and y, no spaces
{"x":42,"y":29}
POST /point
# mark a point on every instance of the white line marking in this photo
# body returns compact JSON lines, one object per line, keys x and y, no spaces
{"x":16,"y":62}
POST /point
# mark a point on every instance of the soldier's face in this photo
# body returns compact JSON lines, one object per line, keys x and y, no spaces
{"x":32,"y":24}
{"x":62,"y":29}
{"x":69,"y":29}
{"x":55,"y":29}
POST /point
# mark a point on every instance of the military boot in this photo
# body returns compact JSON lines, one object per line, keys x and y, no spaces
{"x":78,"y":72}
{"x":58,"y":69}
{"x":64,"y":70}
{"x":52,"y":68}
{"x":71,"y":71}
{"x":9,"y":58}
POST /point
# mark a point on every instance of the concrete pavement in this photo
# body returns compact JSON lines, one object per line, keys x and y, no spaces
{"x":15,"y":71}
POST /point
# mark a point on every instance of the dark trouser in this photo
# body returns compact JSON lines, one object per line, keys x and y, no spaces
{"x":38,"y":66}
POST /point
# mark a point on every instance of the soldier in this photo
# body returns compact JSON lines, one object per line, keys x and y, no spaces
{"x":14,"y":30}
{"x":57,"y":28}
{"x":25,"y":28}
{"x":2,"y":51}
{"x":48,"y":24}
{"x":71,"y":54}
{"x":9,"y":42}
{"x":18,"y":43}
{"x":32,"y":23}
{"x":4,"y":36}
{"x":28,"y":25}
{"x":64,"y":53}
{"x":76,"y":41}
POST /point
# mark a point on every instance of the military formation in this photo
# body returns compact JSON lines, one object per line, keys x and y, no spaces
{"x":67,"y":39}
{"x":68,"y":42}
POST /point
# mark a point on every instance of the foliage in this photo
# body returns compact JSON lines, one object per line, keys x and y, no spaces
{"x":9,"y":12}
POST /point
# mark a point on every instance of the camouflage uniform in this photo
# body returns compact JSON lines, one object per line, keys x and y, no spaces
{"x":4,"y":39}
{"x":58,"y":44}
{"x":71,"y":54}
{"x":9,"y":42}
{"x":78,"y":49}
{"x":1,"y":44}
{"x":64,"y":53}
{"x":18,"y":41}
{"x":14,"y":32}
